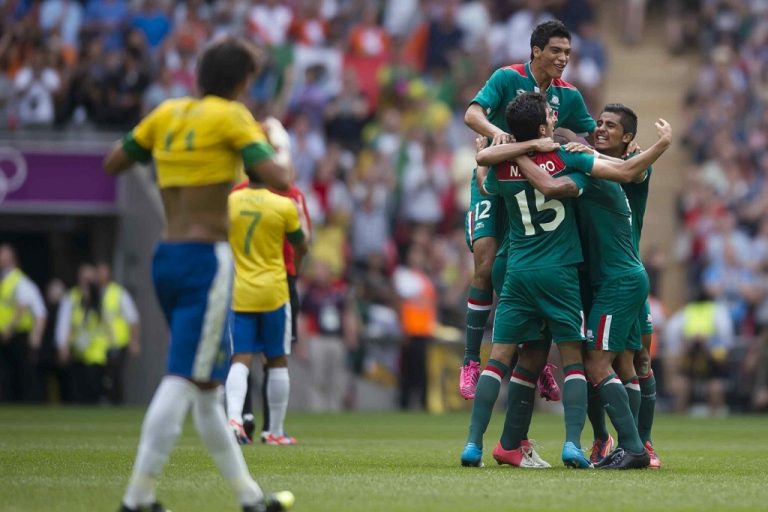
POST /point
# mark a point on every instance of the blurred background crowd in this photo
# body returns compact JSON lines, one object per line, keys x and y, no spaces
{"x":373,"y":94}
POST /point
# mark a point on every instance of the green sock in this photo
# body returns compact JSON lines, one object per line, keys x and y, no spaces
{"x":478,"y":308}
{"x":614,"y":397}
{"x":596,"y":413}
{"x":522,"y":391}
{"x":647,"y":406}
{"x":632,"y":386}
{"x":574,"y":402}
{"x":486,"y":393}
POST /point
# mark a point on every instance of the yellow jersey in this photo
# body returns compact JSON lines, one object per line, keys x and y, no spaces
{"x":259,"y":220}
{"x":197,"y":142}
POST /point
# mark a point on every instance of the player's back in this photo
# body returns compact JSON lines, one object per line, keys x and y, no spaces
{"x":605,"y":225}
{"x":259,"y":220}
{"x":542,"y":232}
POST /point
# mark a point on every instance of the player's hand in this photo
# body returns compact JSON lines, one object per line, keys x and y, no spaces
{"x":577,"y":147}
{"x":632,"y":148}
{"x":502,"y":138}
{"x":664,"y":129}
{"x":545,"y":145}
{"x":480,"y":143}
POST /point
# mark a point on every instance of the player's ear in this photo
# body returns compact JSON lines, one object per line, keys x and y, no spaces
{"x":627,"y":138}
{"x":536,"y":51}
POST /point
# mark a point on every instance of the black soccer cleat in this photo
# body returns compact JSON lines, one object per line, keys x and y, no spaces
{"x":623,"y":459}
{"x":278,"y":502}
{"x":155,"y":507}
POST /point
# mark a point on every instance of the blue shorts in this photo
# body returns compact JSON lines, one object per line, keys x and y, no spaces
{"x":265,"y":331}
{"x":193,"y":282}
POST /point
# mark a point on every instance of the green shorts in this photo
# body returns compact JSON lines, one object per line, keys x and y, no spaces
{"x":645,"y":319}
{"x":483,"y":217}
{"x":534,"y":299}
{"x":499,"y":269}
{"x":612,"y":324}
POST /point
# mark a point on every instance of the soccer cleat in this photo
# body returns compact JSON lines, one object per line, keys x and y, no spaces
{"x":519,"y":457}
{"x":548,"y":388}
{"x":277,"y":502}
{"x":264,"y":435}
{"x":249,"y":425}
{"x":468,"y":377}
{"x":530,"y":444}
{"x":573,"y":457}
{"x":601,"y":449}
{"x":155,"y":507}
{"x":240,"y":435}
{"x":623,"y":459}
{"x":283,"y":440}
{"x":472,"y":456}
{"x":655,"y":461}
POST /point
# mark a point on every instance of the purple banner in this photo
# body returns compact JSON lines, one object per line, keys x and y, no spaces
{"x":33,"y":180}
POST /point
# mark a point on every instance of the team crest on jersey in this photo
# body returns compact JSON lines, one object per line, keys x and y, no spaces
{"x":550,"y":162}
{"x":520,"y":91}
{"x":555,"y":100}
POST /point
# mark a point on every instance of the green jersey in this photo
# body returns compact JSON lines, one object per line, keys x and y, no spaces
{"x":505,"y":84}
{"x":542,"y":232}
{"x":605,"y":226}
{"x":637,"y":195}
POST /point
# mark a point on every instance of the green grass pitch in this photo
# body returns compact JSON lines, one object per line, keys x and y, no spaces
{"x":78,"y":459}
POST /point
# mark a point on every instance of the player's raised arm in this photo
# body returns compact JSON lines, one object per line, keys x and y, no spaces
{"x":554,"y":188}
{"x":629,"y":170}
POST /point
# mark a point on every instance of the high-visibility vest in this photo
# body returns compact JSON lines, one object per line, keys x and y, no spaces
{"x":699,"y":320}
{"x":418,"y":314}
{"x":8,"y":303}
{"x":87,"y":336}
{"x":113,"y":315}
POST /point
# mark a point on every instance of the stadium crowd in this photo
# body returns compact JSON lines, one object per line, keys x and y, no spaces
{"x":373,"y":95}
{"x":723,"y":205}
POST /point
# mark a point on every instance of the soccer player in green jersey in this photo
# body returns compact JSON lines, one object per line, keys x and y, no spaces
{"x":550,"y":53}
{"x":616,"y":129}
{"x":618,"y":280}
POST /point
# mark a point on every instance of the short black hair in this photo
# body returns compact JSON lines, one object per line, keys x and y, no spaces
{"x":224,"y":65}
{"x":525,"y":114}
{"x":545,"y":31}
{"x":627,"y":116}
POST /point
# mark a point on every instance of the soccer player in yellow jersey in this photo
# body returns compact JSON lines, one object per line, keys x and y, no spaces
{"x":199,"y":146}
{"x":261,"y":313}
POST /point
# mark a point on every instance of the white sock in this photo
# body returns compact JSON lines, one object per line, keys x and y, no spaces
{"x":278,"y":389}
{"x":211,"y":424}
{"x":159,"y":432}
{"x":237,"y":386}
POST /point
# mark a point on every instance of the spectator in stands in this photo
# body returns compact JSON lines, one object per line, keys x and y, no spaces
{"x":520,"y":26}
{"x":153,"y":21}
{"x":733,"y":284}
{"x":106,"y":19}
{"x":331,"y":324}
{"x":163,"y":88}
{"x":698,"y":339}
{"x":63,"y":18}
{"x":36,"y":84}
{"x":346,"y":115}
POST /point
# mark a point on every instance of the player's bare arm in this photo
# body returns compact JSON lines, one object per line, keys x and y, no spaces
{"x":497,"y":154}
{"x":476,"y":119}
{"x":117,"y":160}
{"x":554,"y":188}
{"x":630,"y":170}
